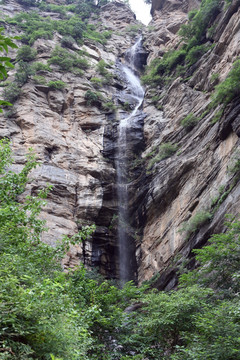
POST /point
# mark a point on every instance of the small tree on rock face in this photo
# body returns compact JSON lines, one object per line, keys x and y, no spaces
{"x":26,"y":53}
{"x":5,"y":62}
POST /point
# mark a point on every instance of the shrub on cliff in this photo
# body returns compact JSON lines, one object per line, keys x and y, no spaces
{"x":229,"y":89}
{"x":23,"y":73}
{"x":5,"y":62}
{"x":165,"y":150}
{"x":67,"y":60}
{"x":194,"y":46}
{"x":26,"y":53}
{"x":195,"y":31}
{"x":11,"y":92}
{"x":189,"y":121}
{"x":93,"y":98}
{"x":56,"y":84}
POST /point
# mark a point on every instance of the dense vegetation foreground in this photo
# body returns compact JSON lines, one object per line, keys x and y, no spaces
{"x":49,"y":314}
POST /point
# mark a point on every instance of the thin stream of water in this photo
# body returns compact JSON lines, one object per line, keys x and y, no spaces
{"x":137,"y":94}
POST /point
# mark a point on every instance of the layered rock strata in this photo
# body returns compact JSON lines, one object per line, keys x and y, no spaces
{"x":67,"y":134}
{"x":75,"y":143}
{"x":198,"y":175}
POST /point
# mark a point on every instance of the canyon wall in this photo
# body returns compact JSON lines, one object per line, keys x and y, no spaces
{"x":75,"y":141}
{"x":67,"y":134}
{"x":191,"y":182}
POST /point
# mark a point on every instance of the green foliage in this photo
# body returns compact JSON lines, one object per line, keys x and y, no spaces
{"x":160,"y":68}
{"x":39,"y":80}
{"x":66,"y":60}
{"x":24,"y":72}
{"x":195,"y":53}
{"x":164,"y":318}
{"x":93,"y":98}
{"x":109,"y":106}
{"x":216,"y":334}
{"x":67,"y":41}
{"x":219,"y":262}
{"x":195,"y":31}
{"x":6,"y":42}
{"x":5,"y":62}
{"x":133,"y":30}
{"x":189,"y":121}
{"x":229,"y":89}
{"x":215,"y":77}
{"x":48,"y":314}
{"x":97,"y":82}
{"x":102,"y":69}
{"x":33,"y":26}
{"x":195,"y":222}
{"x":234,"y":166}
{"x":176,"y":62}
{"x":165,"y":150}
{"x":38,"y":66}
{"x":26,"y":53}
{"x":27,"y":3}
{"x":39,"y":316}
{"x":56,"y":84}
{"x":11,"y":92}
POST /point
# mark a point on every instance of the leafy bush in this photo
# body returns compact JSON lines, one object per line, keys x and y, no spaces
{"x":133,"y":30}
{"x":11,"y":92}
{"x":160,"y":68}
{"x":67,"y":60}
{"x":67,"y":41}
{"x":5,"y":62}
{"x":193,"y":33}
{"x":165,"y":150}
{"x":97,"y":82}
{"x":39,"y":80}
{"x":194,"y":224}
{"x":219,"y":261}
{"x":234,"y":167}
{"x":26,"y":53}
{"x":109,"y":106}
{"x":24,"y":72}
{"x":229,"y":89}
{"x":38,"y":66}
{"x":93,"y":98}
{"x":195,"y":30}
{"x":189,"y":121}
{"x":38,"y":313}
{"x":33,"y":26}
{"x":102,"y":69}
{"x":195,"y":53}
{"x":56,"y":84}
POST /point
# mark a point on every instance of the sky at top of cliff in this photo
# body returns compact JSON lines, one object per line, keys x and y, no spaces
{"x":142,"y":10}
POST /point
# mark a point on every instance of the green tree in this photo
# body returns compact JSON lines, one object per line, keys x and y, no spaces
{"x":38,"y":315}
{"x":5,"y":62}
{"x":26,"y":53}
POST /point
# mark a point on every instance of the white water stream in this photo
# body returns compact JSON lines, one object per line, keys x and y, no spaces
{"x":137,"y":95}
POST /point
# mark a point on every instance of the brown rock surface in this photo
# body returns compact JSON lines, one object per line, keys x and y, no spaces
{"x":75,"y":144}
{"x":68,"y":135}
{"x":187,"y":183}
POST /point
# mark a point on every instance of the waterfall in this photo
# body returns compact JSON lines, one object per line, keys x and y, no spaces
{"x":135,"y":96}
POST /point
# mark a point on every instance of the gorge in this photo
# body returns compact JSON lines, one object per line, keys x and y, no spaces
{"x":135,"y":129}
{"x":75,"y":137}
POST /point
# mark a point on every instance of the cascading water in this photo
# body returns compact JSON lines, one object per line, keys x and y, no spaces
{"x":135,"y":96}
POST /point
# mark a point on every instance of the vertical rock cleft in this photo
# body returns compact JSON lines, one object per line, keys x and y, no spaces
{"x":125,"y":149}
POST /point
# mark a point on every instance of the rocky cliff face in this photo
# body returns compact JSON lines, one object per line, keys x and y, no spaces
{"x":67,"y":135}
{"x":75,"y":141}
{"x":197,"y":176}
